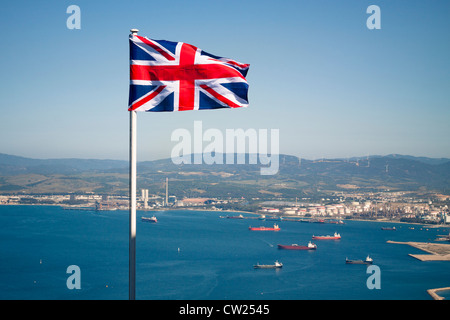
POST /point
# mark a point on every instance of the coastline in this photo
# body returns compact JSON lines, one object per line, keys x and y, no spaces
{"x":423,"y":225}
{"x":235,"y":211}
{"x":299,"y":217}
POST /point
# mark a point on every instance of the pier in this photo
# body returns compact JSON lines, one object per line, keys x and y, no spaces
{"x":437,"y":251}
{"x":434,"y":295}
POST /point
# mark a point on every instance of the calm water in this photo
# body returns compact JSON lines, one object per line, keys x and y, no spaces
{"x":215,"y":260}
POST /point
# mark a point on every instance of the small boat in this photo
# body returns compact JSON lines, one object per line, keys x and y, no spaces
{"x":368,"y":260}
{"x":388,"y":228}
{"x":268,"y":266}
{"x":336,"y":236}
{"x":152,"y":219}
{"x":275,"y":228}
{"x":310,"y":246}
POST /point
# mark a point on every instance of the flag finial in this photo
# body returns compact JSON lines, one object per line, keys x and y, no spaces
{"x":134,"y":31}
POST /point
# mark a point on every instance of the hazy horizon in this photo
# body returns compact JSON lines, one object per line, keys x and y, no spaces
{"x":362,"y":157}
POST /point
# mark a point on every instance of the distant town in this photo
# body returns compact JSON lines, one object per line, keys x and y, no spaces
{"x":383,"y":206}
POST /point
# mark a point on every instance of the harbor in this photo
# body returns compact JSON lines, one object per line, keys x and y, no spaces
{"x":197,"y":255}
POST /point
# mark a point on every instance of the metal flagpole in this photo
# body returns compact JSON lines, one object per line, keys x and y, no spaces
{"x":132,"y":239}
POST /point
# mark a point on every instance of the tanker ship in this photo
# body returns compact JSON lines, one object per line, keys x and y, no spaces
{"x":275,"y":228}
{"x":336,"y":236}
{"x":310,"y":246}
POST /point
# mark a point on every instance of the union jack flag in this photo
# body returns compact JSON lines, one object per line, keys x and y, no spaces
{"x":176,"y":76}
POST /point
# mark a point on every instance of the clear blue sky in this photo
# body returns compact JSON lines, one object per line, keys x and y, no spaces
{"x":331,"y":86}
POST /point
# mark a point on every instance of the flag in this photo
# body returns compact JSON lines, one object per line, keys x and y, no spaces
{"x":176,"y":76}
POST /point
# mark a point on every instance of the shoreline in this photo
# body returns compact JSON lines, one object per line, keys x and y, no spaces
{"x":300,"y":217}
{"x":238,"y":211}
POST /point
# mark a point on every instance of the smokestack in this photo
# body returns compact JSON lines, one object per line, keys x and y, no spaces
{"x":145,"y":198}
{"x":167,"y":192}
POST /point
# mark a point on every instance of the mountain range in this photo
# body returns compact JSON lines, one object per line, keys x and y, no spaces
{"x":295,"y":178}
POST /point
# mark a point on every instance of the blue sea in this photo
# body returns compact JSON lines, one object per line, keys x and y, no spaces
{"x":196,"y":255}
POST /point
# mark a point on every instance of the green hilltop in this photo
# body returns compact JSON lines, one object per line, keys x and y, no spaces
{"x":295,"y":178}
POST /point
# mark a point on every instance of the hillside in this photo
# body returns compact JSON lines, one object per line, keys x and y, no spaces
{"x":296,"y":177}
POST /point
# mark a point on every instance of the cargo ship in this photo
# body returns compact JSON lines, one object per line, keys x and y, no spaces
{"x":368,"y":260}
{"x":336,"y":221}
{"x":268,"y":266}
{"x":388,"y":228}
{"x":274,"y":228}
{"x":310,"y":246}
{"x":235,"y":217}
{"x":152,"y":219}
{"x":336,"y":236}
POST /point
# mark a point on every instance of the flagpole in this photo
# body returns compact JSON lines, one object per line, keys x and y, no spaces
{"x":132,"y":239}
